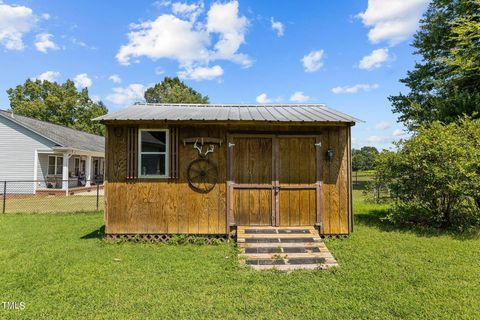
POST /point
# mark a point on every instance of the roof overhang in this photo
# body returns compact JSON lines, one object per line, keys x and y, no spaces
{"x":73,"y":151}
{"x":312,"y":114}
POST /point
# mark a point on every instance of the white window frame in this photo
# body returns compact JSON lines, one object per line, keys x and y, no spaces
{"x":166,"y":153}
{"x":56,"y":165}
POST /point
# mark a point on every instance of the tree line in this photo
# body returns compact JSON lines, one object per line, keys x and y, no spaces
{"x":434,"y":177}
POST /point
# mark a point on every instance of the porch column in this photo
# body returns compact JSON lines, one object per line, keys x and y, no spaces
{"x":66,"y":157}
{"x":88,"y":171}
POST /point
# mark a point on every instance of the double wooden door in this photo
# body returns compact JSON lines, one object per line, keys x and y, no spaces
{"x":274,"y":180}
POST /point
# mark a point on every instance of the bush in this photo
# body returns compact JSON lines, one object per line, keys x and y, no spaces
{"x":434,"y":177}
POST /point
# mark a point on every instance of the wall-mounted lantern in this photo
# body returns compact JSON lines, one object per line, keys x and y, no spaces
{"x":329,"y":154}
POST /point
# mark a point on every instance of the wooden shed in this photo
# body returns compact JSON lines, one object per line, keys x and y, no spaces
{"x":203,"y":169}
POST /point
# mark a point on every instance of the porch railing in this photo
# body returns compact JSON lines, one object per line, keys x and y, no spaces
{"x":40,"y":196}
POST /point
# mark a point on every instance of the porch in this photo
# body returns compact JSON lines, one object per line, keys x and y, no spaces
{"x":68,"y":171}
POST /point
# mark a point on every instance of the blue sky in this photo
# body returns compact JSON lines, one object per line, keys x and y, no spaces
{"x":346,"y":54}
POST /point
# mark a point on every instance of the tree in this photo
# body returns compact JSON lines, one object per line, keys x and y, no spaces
{"x":465,"y":56}
{"x":443,"y":86}
{"x":434,"y":177}
{"x":364,"y":158}
{"x":57,"y":103}
{"x":172,"y":90}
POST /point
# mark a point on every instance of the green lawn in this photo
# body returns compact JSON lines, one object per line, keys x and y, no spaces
{"x":57,"y":203}
{"x":58,"y":266}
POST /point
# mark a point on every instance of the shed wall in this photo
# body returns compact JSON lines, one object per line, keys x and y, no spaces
{"x":171,"y":206}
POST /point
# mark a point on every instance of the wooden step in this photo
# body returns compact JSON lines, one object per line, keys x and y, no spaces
{"x":276,"y":236}
{"x":276,"y":245}
{"x":242,"y":228}
{"x":281,"y":249}
{"x":289,"y":268}
{"x":286,"y":248}
{"x":267,"y":256}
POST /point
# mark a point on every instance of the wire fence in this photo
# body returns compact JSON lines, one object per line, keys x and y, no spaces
{"x":50,"y":196}
{"x":370,"y":185}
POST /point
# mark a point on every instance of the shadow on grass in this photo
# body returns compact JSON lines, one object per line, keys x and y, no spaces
{"x":96,"y":234}
{"x":377,"y":218}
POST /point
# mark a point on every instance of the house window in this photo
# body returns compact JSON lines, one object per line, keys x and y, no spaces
{"x":96,"y":167}
{"x":77,"y":167}
{"x":153,"y":153}
{"x":55,"y":165}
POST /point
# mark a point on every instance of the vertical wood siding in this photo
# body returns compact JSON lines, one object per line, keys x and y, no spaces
{"x":171,"y":206}
{"x":336,"y":191}
{"x":164,"y":205}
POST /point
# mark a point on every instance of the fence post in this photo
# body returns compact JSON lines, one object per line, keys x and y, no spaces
{"x":98,"y":191}
{"x":4,"y":195}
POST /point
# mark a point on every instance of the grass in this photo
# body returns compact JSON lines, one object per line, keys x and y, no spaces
{"x":60,"y":268}
{"x":57,"y":203}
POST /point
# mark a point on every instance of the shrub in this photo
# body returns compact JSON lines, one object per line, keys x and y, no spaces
{"x":434,"y":177}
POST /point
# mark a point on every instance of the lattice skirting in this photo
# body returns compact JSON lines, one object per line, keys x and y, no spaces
{"x":334,"y":236}
{"x":166,"y":238}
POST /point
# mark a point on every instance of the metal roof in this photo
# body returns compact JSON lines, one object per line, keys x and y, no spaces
{"x":231,"y":112}
{"x":60,"y":135}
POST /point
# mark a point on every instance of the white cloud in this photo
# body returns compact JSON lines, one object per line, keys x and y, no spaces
{"x":375,"y":59}
{"x":201,"y":73}
{"x":263,"y":98}
{"x":392,"y":20}
{"x":224,"y":20}
{"x":115,"y":78}
{"x":313,"y":61}
{"x":82,"y":81}
{"x":298,"y":96}
{"x":127,"y":95}
{"x":15,"y":21}
{"x":277,"y":26}
{"x":162,"y":3}
{"x":159,"y":71}
{"x":378,"y":139}
{"x":188,"y":42}
{"x":43,"y":42}
{"x":165,"y":37}
{"x":191,"y":11}
{"x":399,"y":133}
{"x":51,"y":76}
{"x":382,"y":125}
{"x":45,"y":16}
{"x":356,"y":88}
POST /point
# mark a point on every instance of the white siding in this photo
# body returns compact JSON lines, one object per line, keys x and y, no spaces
{"x":17,"y":152}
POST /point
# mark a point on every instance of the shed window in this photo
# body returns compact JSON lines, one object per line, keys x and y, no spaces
{"x":55,"y":165}
{"x":153,"y":153}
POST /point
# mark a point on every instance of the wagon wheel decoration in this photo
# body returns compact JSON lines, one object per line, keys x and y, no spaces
{"x":202,"y":174}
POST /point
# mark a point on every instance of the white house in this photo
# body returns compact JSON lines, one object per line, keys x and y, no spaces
{"x":47,"y":155}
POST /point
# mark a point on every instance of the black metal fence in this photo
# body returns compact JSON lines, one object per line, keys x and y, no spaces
{"x":44,"y":196}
